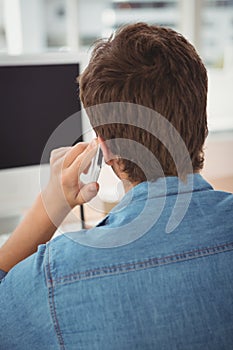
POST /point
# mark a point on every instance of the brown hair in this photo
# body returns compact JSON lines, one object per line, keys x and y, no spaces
{"x":158,"y":68}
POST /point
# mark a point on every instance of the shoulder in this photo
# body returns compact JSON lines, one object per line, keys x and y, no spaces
{"x":220,"y":201}
{"x":215,"y":199}
{"x":34,"y":264}
{"x":66,"y":256}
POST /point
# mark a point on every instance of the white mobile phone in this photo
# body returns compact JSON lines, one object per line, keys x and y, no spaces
{"x":93,"y":172}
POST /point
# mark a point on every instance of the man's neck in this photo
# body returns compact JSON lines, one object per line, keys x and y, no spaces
{"x":128,"y":185}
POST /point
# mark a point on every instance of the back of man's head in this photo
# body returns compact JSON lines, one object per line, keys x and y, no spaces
{"x":158,"y":68}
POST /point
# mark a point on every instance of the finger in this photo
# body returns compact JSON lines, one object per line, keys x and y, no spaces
{"x":73,"y":153}
{"x":58,"y":153}
{"x":85,"y":171}
{"x":87,"y":192}
{"x":83,"y":161}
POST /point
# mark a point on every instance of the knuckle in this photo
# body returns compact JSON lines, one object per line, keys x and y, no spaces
{"x":53,"y":155}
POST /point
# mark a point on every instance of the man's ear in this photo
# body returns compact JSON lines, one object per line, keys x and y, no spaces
{"x":109,"y":157}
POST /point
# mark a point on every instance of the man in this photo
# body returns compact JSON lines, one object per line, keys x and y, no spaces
{"x":164,"y":279}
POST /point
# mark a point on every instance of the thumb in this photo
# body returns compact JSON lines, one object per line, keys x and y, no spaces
{"x":87,"y":192}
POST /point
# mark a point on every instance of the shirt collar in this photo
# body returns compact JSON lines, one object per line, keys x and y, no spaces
{"x":135,"y":215}
{"x":164,"y":186}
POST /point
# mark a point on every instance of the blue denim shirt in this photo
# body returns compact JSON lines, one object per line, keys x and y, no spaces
{"x":166,"y":283}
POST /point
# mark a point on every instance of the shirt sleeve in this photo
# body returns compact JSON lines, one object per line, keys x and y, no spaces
{"x":24,"y":303}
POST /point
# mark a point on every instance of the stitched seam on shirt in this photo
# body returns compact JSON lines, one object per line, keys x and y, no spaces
{"x":141,"y":265}
{"x":52,"y":307}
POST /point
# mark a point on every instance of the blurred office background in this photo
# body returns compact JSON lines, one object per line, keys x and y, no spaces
{"x":38,"y":26}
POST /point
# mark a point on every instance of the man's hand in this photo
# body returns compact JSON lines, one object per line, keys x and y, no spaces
{"x":63,"y":192}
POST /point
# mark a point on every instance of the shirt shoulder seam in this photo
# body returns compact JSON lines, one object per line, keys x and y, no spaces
{"x":143,"y":264}
{"x":52,"y":307}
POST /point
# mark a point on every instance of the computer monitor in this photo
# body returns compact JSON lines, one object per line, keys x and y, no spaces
{"x":37,"y":93}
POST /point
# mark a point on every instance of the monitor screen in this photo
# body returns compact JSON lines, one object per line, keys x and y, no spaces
{"x":34,"y":100}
